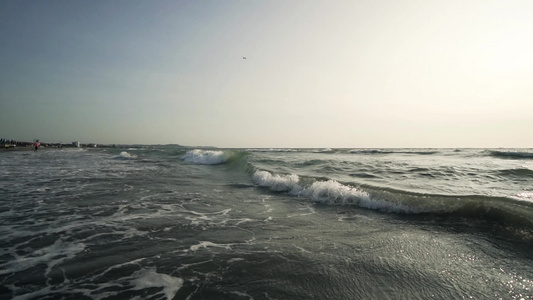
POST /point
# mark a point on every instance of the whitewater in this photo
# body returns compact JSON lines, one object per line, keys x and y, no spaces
{"x":172,"y":222}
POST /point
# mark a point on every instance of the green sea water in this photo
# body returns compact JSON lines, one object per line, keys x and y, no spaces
{"x":170,"y":222}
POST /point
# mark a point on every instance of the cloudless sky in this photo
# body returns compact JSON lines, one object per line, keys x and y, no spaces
{"x":349,"y":73}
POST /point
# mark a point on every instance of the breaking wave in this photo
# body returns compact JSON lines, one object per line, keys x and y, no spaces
{"x":500,"y":210}
{"x":125,"y":155}
{"x":277,"y":183}
{"x":205,"y":157}
{"x":327,"y":192}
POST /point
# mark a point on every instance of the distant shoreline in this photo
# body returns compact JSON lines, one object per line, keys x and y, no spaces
{"x":51,"y":147}
{"x":29,"y":148}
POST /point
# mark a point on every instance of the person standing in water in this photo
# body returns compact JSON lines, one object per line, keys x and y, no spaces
{"x":37,"y":144}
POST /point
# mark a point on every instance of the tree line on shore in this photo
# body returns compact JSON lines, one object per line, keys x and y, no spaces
{"x":7,"y":143}
{"x":14,"y":143}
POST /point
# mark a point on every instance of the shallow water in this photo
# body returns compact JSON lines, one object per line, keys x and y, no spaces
{"x":165,"y":222}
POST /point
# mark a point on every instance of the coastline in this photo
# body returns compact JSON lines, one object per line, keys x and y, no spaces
{"x":29,"y":148}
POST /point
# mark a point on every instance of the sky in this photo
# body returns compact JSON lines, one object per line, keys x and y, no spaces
{"x":344,"y":74}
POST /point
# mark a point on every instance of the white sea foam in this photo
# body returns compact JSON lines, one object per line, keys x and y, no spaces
{"x":277,"y":183}
{"x":51,"y":255}
{"x":206,"y":244}
{"x":149,"y":278}
{"x":326,"y":150}
{"x":144,"y":279}
{"x":126,"y":155}
{"x":525,"y":196}
{"x":332,"y":191}
{"x":205,"y":157}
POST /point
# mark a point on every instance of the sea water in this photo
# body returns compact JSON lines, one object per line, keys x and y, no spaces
{"x":170,"y":222}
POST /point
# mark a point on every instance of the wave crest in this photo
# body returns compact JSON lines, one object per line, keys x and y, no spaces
{"x":125,"y":155}
{"x":277,"y":183}
{"x":511,"y":154}
{"x":514,"y":214}
{"x":333,"y":192}
{"x":327,"y":192}
{"x":205,"y":157}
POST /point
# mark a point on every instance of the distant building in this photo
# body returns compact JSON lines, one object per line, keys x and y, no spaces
{"x":76,"y":144}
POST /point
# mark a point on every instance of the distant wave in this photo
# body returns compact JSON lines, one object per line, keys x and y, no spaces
{"x":387,"y":151}
{"x":125,"y":155}
{"x":374,"y":151}
{"x":205,"y":157}
{"x":271,"y":150}
{"x":511,"y":154}
{"x":325,"y":150}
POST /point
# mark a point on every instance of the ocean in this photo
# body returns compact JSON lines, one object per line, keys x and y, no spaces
{"x":172,"y":222}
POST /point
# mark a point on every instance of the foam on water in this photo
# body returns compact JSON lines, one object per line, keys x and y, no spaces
{"x":127,"y":155}
{"x":325,"y":150}
{"x":149,"y":278}
{"x":525,"y":196}
{"x":51,"y":256}
{"x":206,"y":244}
{"x":124,"y":155}
{"x":528,"y":166}
{"x":205,"y":157}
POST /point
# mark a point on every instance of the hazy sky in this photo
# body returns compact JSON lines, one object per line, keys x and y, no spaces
{"x":316,"y":74}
